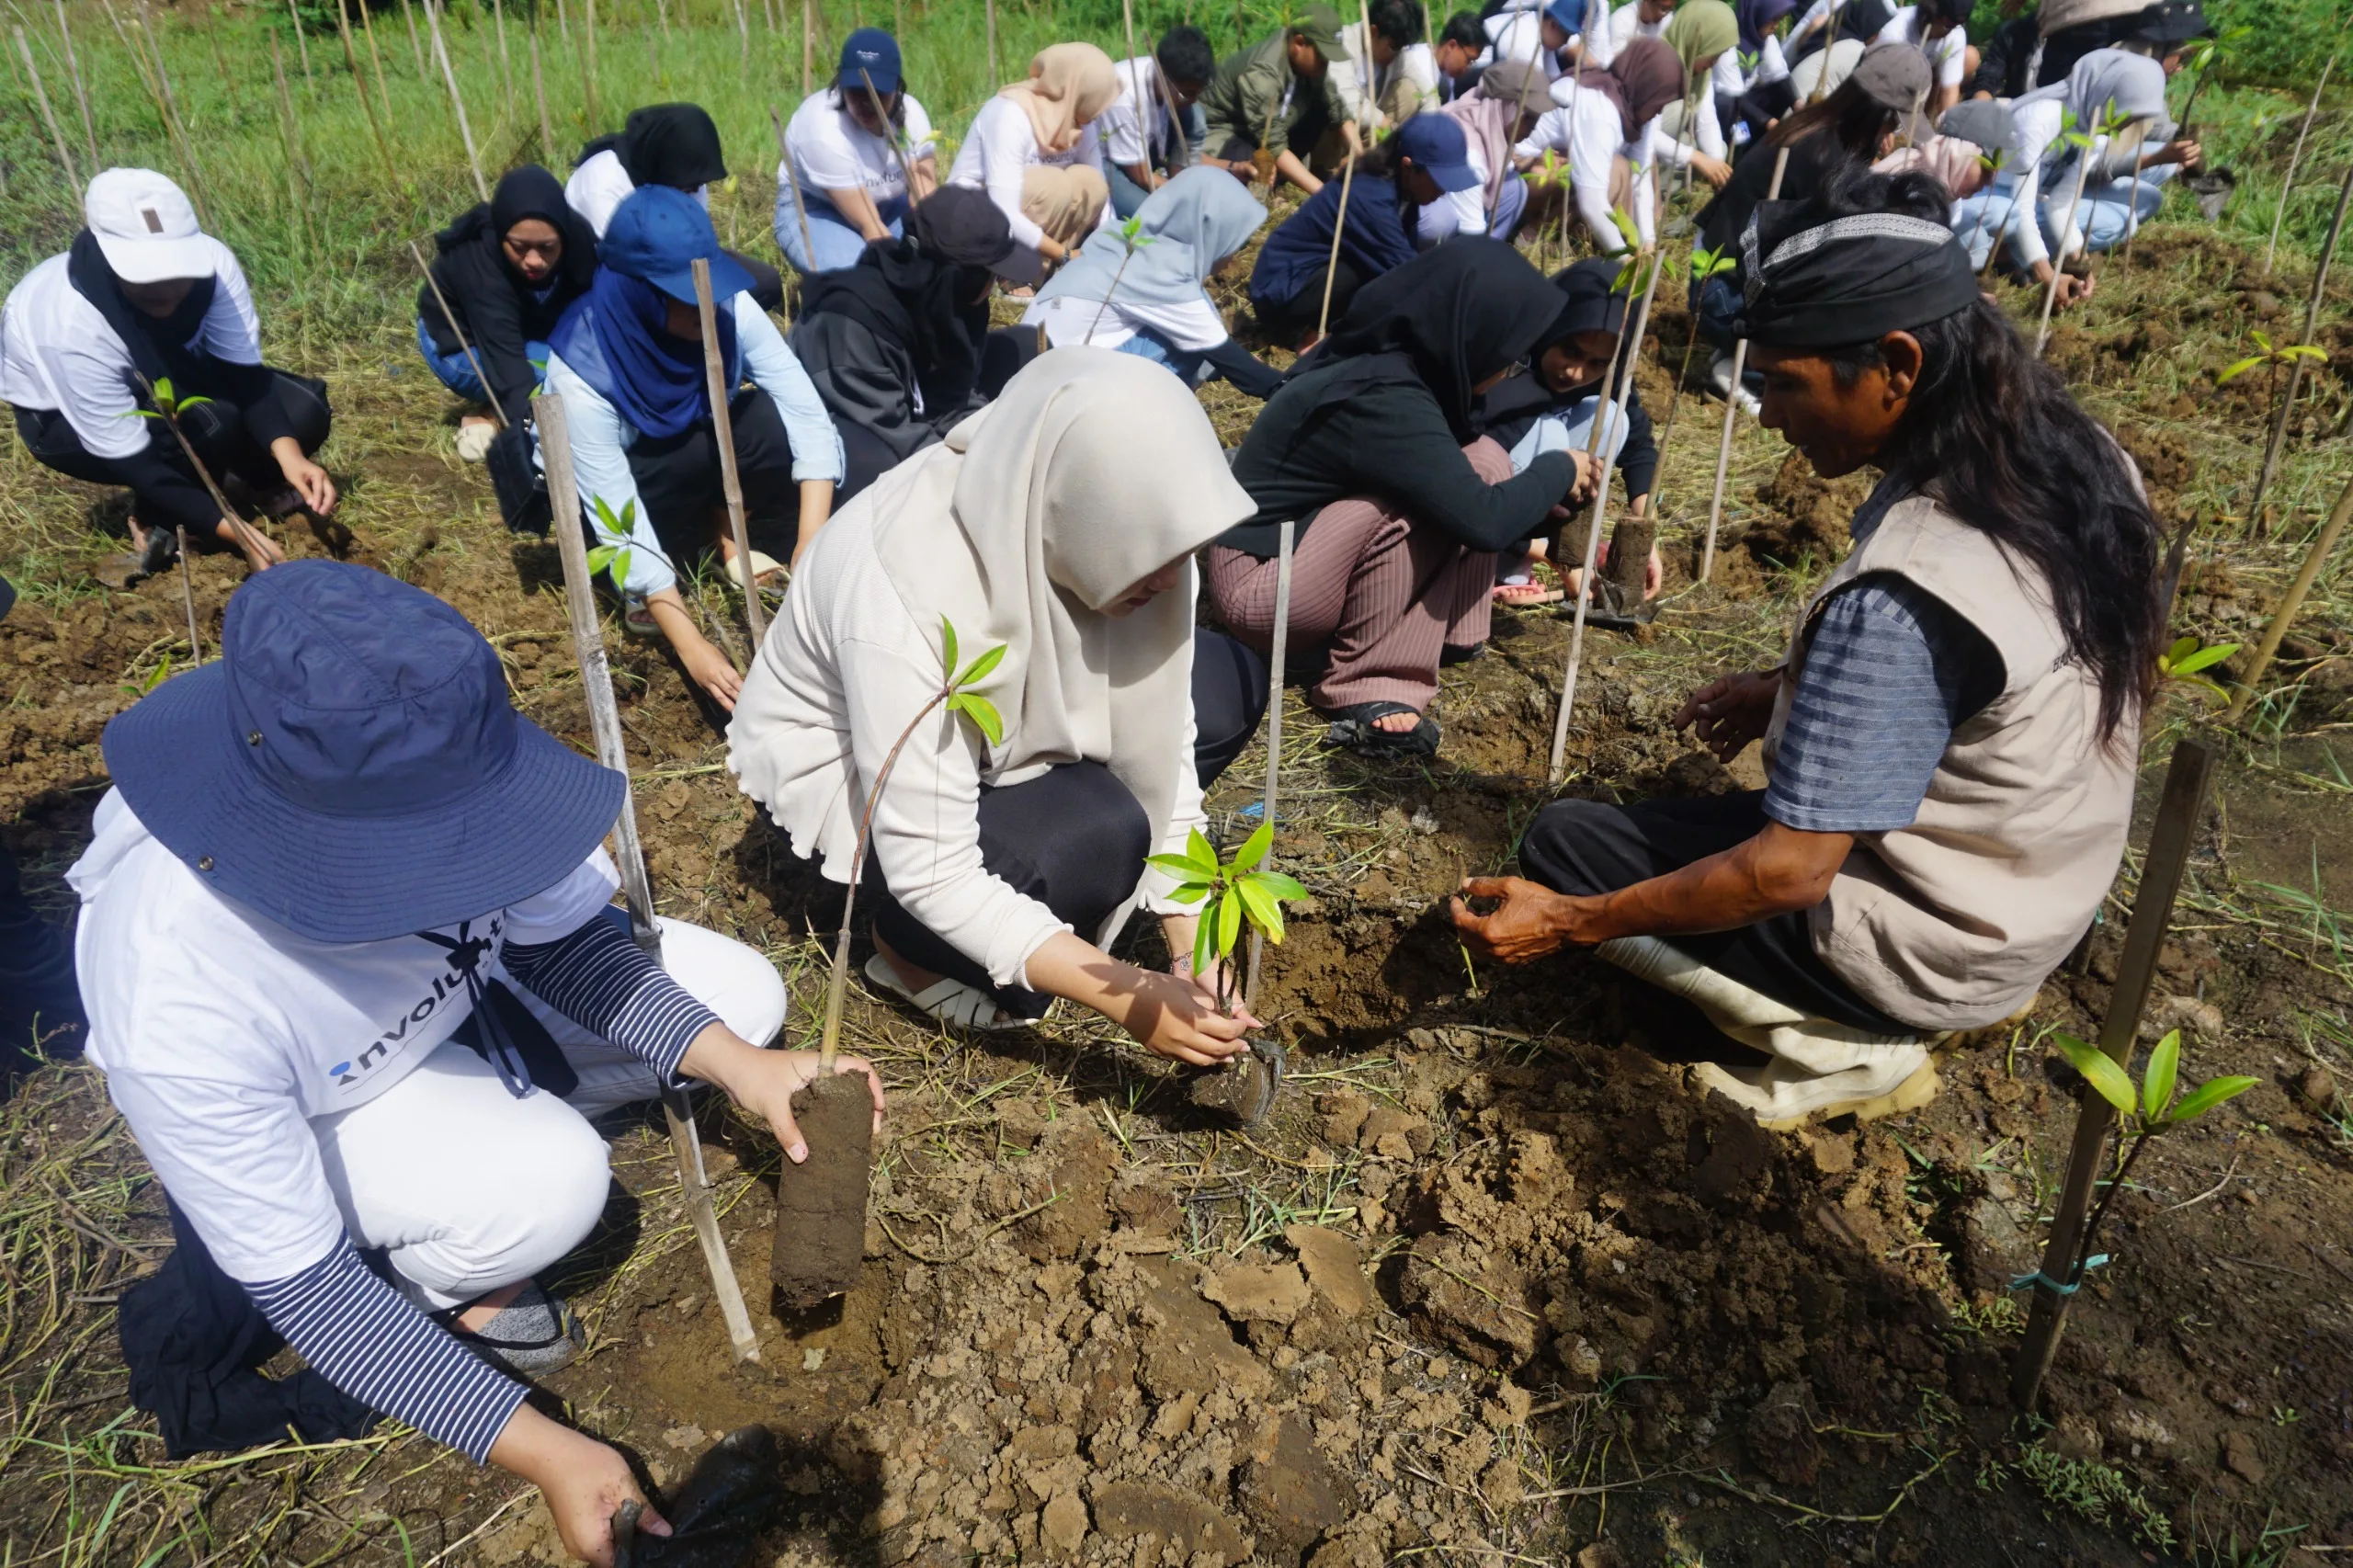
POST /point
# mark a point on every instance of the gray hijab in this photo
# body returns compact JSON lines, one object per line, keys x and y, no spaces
{"x":2111,"y":82}
{"x":1194,"y":221}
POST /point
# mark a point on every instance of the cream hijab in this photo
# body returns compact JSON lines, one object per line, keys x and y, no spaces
{"x":1069,"y":85}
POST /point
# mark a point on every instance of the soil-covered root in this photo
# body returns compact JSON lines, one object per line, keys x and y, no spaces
{"x":820,"y":1203}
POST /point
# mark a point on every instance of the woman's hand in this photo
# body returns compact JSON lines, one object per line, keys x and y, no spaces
{"x":1715,"y":171}
{"x":1726,"y":714}
{"x":763,"y":1082}
{"x":2188,"y":154}
{"x":1181,"y":930}
{"x":584,"y":1481}
{"x":1177,"y":1018}
{"x":705,"y":664}
{"x":1588,"y":474}
{"x":309,"y":479}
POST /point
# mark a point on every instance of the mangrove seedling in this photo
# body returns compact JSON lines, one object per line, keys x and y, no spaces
{"x":2183,"y":661}
{"x":2274,"y":360}
{"x":821,"y":1202}
{"x":1234,"y":895}
{"x":1133,"y":238}
{"x":169,"y":406}
{"x":2143,"y":1113}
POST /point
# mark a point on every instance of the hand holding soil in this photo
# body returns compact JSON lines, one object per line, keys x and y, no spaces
{"x":764,"y":1081}
{"x":1727,"y":714}
{"x":584,"y":1481}
{"x":1527,"y":922}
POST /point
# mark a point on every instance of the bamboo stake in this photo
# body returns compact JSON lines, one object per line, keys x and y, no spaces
{"x":1347,"y":183}
{"x":301,"y":44}
{"x":539,"y":96}
{"x":375,"y":59}
{"x":1135,"y":82}
{"x":2271,"y":249}
{"x":49,"y":117}
{"x":289,"y":137}
{"x":505,"y":64}
{"x":456,"y":102}
{"x":563,"y":23}
{"x":891,"y":135}
{"x":1593,"y":531}
{"x":2161,"y":872}
{"x":352,"y":59}
{"x":169,"y":104}
{"x":744,"y":41}
{"x":2281,"y":618}
{"x":995,"y":75}
{"x":187,"y":594}
{"x":416,"y":48}
{"x":722,"y":429}
{"x":449,"y":315}
{"x":2279,"y":442}
{"x":80,"y":93}
{"x":605,"y":720}
{"x":1279,"y":651}
{"x":1731,"y":397}
{"x":809,"y":45}
{"x":595,"y":117}
{"x":2058,"y":263}
{"x":245,"y":532}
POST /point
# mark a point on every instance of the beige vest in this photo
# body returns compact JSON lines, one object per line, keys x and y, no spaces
{"x":1954,"y":922}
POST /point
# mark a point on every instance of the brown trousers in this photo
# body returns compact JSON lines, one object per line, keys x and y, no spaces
{"x":1384,"y":594}
{"x":1065,"y":202}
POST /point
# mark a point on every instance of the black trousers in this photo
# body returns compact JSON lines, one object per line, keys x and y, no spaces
{"x":768,"y":283}
{"x":1074,"y":838}
{"x":1293,"y":320}
{"x":216,"y":429}
{"x":679,"y":487}
{"x":1588,"y":848}
{"x":38,"y":995}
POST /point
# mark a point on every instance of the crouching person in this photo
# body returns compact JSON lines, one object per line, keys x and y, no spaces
{"x":355,"y":985}
{"x":1949,"y":747}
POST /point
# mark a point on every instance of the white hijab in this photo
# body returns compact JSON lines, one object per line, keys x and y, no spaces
{"x":1092,"y":470}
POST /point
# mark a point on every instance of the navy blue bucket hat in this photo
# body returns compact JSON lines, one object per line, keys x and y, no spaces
{"x":655,"y":236}
{"x":350,"y":767}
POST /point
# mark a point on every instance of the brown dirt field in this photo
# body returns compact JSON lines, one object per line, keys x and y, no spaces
{"x":1497,"y":1283}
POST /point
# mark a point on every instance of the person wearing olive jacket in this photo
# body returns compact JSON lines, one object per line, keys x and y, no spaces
{"x":1283,"y":95}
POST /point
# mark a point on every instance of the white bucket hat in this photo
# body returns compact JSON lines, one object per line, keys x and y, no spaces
{"x":146,"y":227}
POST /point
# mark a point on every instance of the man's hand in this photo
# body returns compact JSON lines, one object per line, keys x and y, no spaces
{"x":584,"y":1481}
{"x":1528,"y":922}
{"x":1726,"y":714}
{"x":2188,"y":155}
{"x":763,"y":1082}
{"x":1589,"y":471}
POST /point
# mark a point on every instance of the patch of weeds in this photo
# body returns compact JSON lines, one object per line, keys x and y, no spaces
{"x":2001,"y":1315}
{"x":2268,"y":1549}
{"x":2096,"y":1492}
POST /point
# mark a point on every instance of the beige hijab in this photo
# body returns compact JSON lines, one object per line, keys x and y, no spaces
{"x":1069,"y":85}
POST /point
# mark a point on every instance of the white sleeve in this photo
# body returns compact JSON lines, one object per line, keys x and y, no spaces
{"x":2036,"y":126}
{"x":1951,"y":53}
{"x":1552,"y":134}
{"x":1819,"y":11}
{"x":1724,"y":78}
{"x":1707,"y":130}
{"x":556,"y":913}
{"x":1593,"y":205}
{"x":1420,"y":67}
{"x":1645,"y":184}
{"x":821,"y":156}
{"x":231,"y":329}
{"x":597,"y":187}
{"x":1185,"y":813}
{"x":1006,"y":153}
{"x":776,"y":370}
{"x":600,"y":468}
{"x":920,"y":144}
{"x":94,"y":393}
{"x":1772,"y":65}
{"x":926,"y":832}
{"x":1470,"y":209}
{"x":1592,"y":145}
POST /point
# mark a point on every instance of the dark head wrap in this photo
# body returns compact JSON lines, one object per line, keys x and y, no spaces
{"x":1758,"y":17}
{"x":672,"y":145}
{"x":1449,"y":319}
{"x":527,"y":192}
{"x":925,"y":293}
{"x":1590,"y":302}
{"x":1849,"y":280}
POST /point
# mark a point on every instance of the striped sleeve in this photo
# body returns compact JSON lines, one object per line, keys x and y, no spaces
{"x":1889,"y":673}
{"x":602,"y":981}
{"x":376,"y":1345}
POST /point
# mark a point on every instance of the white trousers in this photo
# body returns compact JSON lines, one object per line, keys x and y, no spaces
{"x":469,"y":1189}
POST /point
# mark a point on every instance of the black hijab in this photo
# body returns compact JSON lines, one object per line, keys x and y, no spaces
{"x":927,"y":292}
{"x":159,"y":346}
{"x":527,"y":192}
{"x":672,"y":145}
{"x":1588,"y":302}
{"x":1449,"y":319}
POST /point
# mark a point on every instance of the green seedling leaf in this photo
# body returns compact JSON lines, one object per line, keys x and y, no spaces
{"x":1626,"y":230}
{"x":2101,"y":1073}
{"x":1229,"y":921}
{"x":2206,"y":1096}
{"x":1205,"y":942}
{"x":982,"y":712}
{"x":2181,"y":665}
{"x":1182,"y":865}
{"x":947,"y":643}
{"x":1190,"y":892}
{"x":979,"y":668}
{"x":1254,"y":848}
{"x":1279,"y":886}
{"x":1202,"y":854}
{"x":2302,"y":351}
{"x":2157,"y":1077}
{"x":1260,"y":906}
{"x":2241,"y":368}
{"x":2262,"y":342}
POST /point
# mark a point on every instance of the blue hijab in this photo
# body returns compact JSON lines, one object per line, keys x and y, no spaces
{"x":614,"y":336}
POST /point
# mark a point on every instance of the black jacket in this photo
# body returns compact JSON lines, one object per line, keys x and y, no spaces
{"x":1507,"y":412}
{"x":500,"y":314}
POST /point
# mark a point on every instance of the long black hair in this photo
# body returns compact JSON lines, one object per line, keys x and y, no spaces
{"x":2012,"y":455}
{"x":1853,"y":117}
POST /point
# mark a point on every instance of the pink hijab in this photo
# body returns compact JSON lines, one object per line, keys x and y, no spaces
{"x":1490,"y":117}
{"x":1954,"y":162}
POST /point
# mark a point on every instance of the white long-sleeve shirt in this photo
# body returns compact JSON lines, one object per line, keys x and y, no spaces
{"x":601,"y":184}
{"x":845,"y":669}
{"x":601,"y":440}
{"x":2035,"y":128}
{"x":1001,"y":148}
{"x":1591,"y":136}
{"x":1358,"y":73}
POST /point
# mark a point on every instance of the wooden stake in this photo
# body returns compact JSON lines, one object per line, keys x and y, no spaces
{"x":301,"y":44}
{"x":809,"y":45}
{"x":1732,"y":395}
{"x":995,"y":77}
{"x":457,"y":101}
{"x":563,"y":23}
{"x":605,"y":720}
{"x":2161,"y":873}
{"x":169,"y":105}
{"x":1347,"y":183}
{"x":1279,"y":651}
{"x":785,"y":178}
{"x":449,"y":315}
{"x":2058,"y":262}
{"x":2271,"y":249}
{"x":1609,"y":411}
{"x":49,"y":117}
{"x":237,"y":525}
{"x":187,"y":594}
{"x":2281,"y":618}
{"x":359,"y":83}
{"x":744,"y":41}
{"x":375,"y":60}
{"x":1136,"y":81}
{"x":722,"y":430}
{"x":505,"y":64}
{"x":416,"y":48}
{"x":594,"y":115}
{"x":891,"y":135}
{"x":80,"y":93}
{"x":2279,"y":442}
{"x":540,"y":97}
{"x":289,"y":137}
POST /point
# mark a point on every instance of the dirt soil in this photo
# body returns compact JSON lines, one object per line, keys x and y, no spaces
{"x":1497,"y":1281}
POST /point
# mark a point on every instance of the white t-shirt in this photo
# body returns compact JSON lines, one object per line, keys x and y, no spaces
{"x":1521,"y":37}
{"x":1626,"y":25}
{"x":1591,"y":136}
{"x":601,"y":184}
{"x":221,"y":1032}
{"x":1124,"y":130}
{"x":57,"y":352}
{"x":830,"y":151}
{"x":1354,"y":75}
{"x":1068,"y":320}
{"x":999,"y":150}
{"x":1947,"y":55}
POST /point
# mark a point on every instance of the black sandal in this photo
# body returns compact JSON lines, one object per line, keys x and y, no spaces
{"x":1354,"y":727}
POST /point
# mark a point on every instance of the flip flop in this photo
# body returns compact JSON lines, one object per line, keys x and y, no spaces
{"x":1354,"y":728}
{"x":951,"y":1000}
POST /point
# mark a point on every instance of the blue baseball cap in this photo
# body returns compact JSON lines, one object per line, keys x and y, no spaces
{"x":875,"y":53}
{"x":656,"y":234}
{"x":1435,"y":143}
{"x":350,"y":767}
{"x":1569,"y":14}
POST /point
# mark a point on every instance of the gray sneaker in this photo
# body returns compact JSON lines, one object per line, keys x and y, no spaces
{"x":532,"y":1335}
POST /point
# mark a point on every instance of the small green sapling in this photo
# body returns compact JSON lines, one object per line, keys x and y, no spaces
{"x":1133,"y":236}
{"x":2187,"y":656}
{"x":1233,"y":893}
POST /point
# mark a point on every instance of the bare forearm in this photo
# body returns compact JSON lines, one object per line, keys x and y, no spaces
{"x":1739,"y":887}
